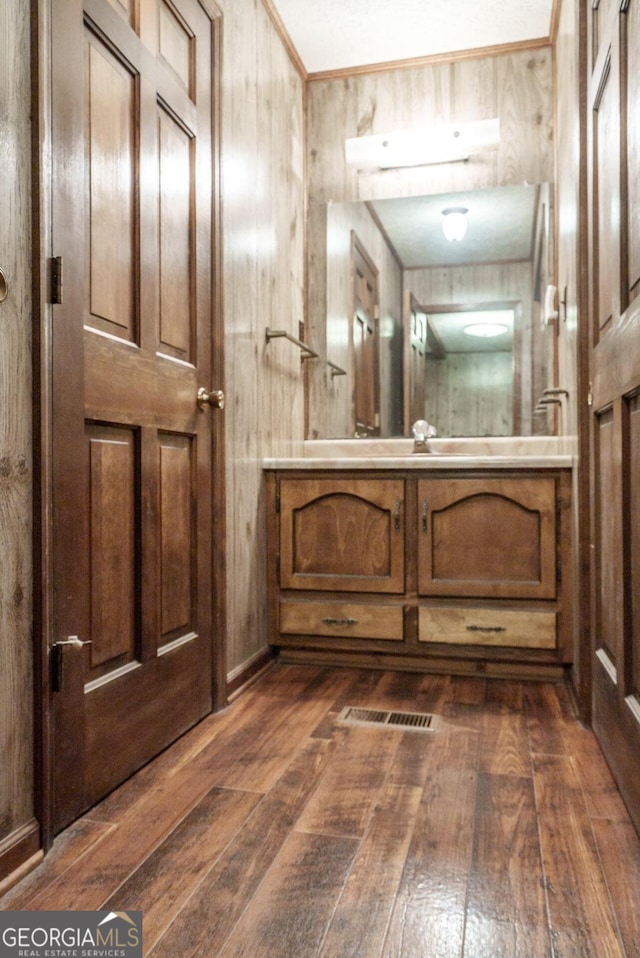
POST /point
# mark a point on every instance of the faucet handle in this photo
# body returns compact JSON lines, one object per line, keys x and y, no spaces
{"x":422,"y":430}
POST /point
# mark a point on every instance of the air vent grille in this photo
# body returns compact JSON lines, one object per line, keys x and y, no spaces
{"x":415,"y":721}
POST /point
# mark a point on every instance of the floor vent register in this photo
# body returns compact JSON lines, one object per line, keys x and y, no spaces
{"x":412,"y":721}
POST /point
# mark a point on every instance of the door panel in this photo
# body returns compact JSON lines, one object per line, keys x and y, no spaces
{"x":615,"y":373}
{"x":132,"y":342}
{"x":366,"y":385}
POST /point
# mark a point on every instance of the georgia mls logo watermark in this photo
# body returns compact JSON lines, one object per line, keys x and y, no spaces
{"x":71,"y":934}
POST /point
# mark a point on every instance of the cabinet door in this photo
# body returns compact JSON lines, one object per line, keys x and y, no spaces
{"x":342,"y":535}
{"x":492,"y":538}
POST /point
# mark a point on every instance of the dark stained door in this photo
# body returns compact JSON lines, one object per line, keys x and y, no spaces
{"x":615,"y":371}
{"x":132,"y":155}
{"x":416,"y":347}
{"x":366,"y":365}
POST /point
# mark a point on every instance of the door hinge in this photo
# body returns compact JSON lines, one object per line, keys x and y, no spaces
{"x":56,"y":280}
{"x":277,"y":502}
{"x":278,"y":565}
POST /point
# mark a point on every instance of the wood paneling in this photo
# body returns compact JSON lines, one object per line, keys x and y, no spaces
{"x":16,"y":683}
{"x":631,"y":28}
{"x":571,"y":274}
{"x":263,"y":223}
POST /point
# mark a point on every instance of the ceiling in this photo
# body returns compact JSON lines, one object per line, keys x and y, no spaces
{"x":343,"y":34}
{"x":500,"y":228}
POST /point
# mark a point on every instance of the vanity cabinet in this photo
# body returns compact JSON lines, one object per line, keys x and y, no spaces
{"x":460,"y":570}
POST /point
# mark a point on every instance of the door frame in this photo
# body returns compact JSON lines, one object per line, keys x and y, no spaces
{"x":43,"y":317}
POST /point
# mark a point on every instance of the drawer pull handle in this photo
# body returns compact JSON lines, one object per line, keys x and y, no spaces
{"x":486,"y":628}
{"x":424,"y":516}
{"x":330,"y":621}
{"x":396,"y":516}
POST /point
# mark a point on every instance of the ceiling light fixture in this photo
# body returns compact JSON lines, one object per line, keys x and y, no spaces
{"x":454,"y":224}
{"x":442,"y":144}
{"x":485,"y":330}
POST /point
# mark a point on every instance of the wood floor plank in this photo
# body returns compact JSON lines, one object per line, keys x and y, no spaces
{"x":216,"y":868}
{"x":428,"y":915}
{"x":550,"y":718}
{"x":619,"y":847}
{"x":466,"y":690}
{"x":506,"y":910}
{"x":507,"y":696}
{"x":208,"y":918}
{"x":343,"y":802}
{"x":504,"y":745}
{"x":269,"y":752}
{"x":169,"y":876}
{"x":579,"y":905}
{"x":360,"y":920}
{"x":290,"y":912}
{"x":68,"y":847}
{"x":360,"y":688}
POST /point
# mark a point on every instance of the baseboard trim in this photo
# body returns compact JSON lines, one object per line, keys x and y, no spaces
{"x":20,"y":852}
{"x":248,"y":673}
{"x":405,"y":663}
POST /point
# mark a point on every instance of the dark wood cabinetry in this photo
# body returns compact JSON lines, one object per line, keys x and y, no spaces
{"x":461,"y":571}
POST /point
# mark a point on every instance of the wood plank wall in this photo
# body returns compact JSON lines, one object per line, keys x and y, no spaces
{"x":263,"y":250}
{"x":483,"y":283}
{"x":572,"y":325}
{"x":16,"y":700}
{"x":517,"y":87}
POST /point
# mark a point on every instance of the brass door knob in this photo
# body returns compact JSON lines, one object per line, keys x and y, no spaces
{"x":215,"y":398}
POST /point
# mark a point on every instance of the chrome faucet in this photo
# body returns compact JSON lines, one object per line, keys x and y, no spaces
{"x":422,"y":433}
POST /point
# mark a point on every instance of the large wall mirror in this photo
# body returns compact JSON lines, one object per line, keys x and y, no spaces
{"x":447,"y":329}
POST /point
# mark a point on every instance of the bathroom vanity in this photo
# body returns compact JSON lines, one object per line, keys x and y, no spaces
{"x":459,"y":561}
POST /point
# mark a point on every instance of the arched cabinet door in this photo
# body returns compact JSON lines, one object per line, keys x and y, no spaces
{"x":490,"y":538}
{"x":342,"y":535}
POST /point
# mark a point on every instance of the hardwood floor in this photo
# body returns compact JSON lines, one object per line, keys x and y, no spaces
{"x":273,"y":831}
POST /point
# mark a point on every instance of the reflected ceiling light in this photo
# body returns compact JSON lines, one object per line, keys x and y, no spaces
{"x":486,"y":330}
{"x":442,"y":144}
{"x":454,"y":224}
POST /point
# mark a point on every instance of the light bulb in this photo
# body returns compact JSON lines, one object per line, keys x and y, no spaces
{"x":454,"y":224}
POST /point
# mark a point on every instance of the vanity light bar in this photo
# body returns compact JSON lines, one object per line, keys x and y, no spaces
{"x":442,"y":144}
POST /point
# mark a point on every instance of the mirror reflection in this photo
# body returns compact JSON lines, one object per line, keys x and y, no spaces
{"x":434,"y":311}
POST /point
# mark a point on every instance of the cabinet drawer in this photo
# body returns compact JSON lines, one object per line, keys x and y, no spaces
{"x":353,"y":620}
{"x":494,"y":627}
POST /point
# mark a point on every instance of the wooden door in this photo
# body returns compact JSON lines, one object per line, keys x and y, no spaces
{"x":366,"y":365}
{"x":615,"y":371}
{"x":416,"y":347}
{"x":491,"y":538}
{"x":132,"y":214}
